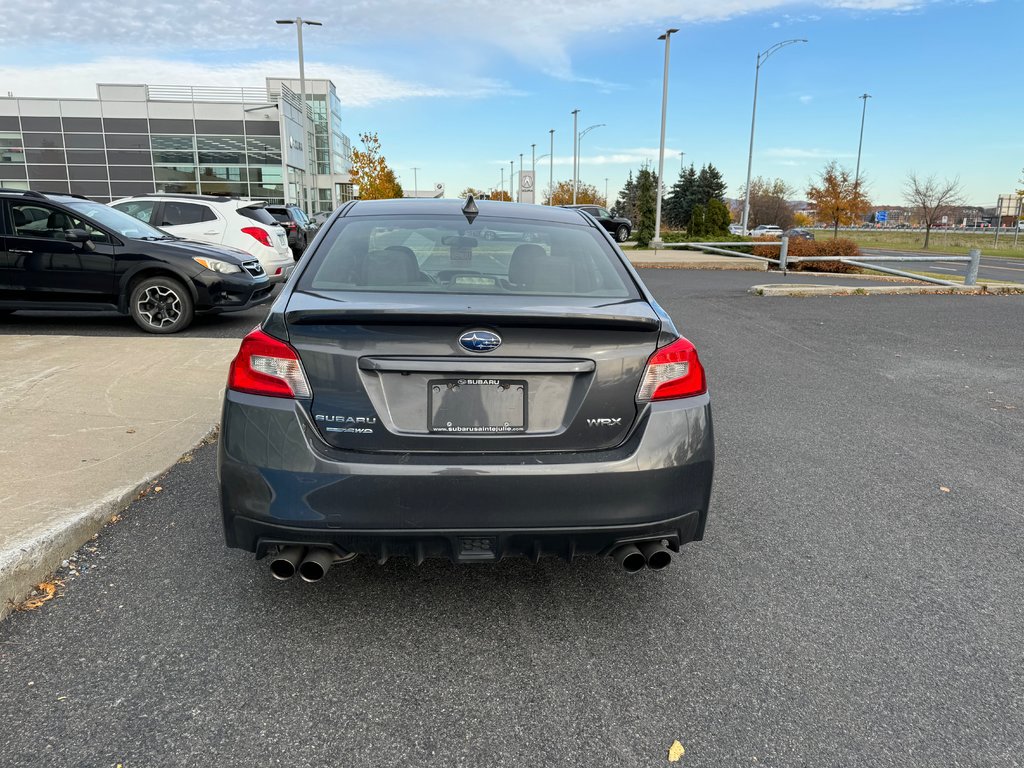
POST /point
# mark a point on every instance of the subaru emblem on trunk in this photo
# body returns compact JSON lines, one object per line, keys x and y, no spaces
{"x":480,"y":341}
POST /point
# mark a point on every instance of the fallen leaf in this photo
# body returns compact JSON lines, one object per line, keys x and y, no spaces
{"x":115,"y":518}
{"x":944,"y":489}
{"x":47,"y":590}
{"x":675,"y":752}
{"x":130,"y":431}
{"x":158,"y":489}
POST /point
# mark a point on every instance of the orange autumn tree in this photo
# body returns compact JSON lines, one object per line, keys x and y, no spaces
{"x":587,"y":194}
{"x":371,"y":173}
{"x":838,"y":198}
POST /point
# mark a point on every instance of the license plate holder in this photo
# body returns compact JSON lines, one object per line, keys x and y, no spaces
{"x":471,"y":405}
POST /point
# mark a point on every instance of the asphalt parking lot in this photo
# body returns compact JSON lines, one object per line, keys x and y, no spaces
{"x":856,"y":601}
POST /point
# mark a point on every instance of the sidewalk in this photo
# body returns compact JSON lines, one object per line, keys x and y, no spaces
{"x":86,"y":422}
{"x":674,"y":258}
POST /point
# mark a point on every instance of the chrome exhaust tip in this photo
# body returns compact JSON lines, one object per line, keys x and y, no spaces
{"x":630,"y":558}
{"x":316,"y":564}
{"x":656,"y":554}
{"x":286,"y":562}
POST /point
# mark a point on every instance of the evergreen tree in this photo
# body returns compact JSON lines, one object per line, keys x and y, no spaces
{"x":646,"y":186}
{"x":698,"y":226}
{"x":710,"y":185}
{"x":675,"y":211}
{"x":717,"y":218}
{"x":626,"y":204}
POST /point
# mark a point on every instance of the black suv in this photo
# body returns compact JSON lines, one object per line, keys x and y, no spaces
{"x":66,"y":252}
{"x":619,"y":227}
{"x":296,"y":223}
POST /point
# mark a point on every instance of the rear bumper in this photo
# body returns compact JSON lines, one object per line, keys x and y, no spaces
{"x":280,"y":483}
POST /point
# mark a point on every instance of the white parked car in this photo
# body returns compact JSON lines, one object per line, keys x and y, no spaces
{"x":736,"y":229}
{"x":227,"y":221}
{"x":767,"y":230}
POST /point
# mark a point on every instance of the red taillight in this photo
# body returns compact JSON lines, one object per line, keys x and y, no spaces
{"x":260,"y":234}
{"x":266,"y":366}
{"x":289,"y":225}
{"x":673,"y":372}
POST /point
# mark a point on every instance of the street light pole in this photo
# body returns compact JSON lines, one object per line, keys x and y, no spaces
{"x":415,"y":181}
{"x":579,"y":148}
{"x":511,"y":181}
{"x":606,"y":192}
{"x":860,"y":144}
{"x":667,"y":37}
{"x":520,"y":178}
{"x":551,"y":169}
{"x":761,"y":59}
{"x":299,"y":22}
{"x":575,"y":141}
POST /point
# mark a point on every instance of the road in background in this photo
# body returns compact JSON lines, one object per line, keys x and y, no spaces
{"x":990,"y":267}
{"x":856,"y":602}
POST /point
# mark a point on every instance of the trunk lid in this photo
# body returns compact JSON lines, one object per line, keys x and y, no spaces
{"x":389,"y":372}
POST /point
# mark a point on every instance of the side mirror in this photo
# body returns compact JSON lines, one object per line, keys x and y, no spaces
{"x":76,"y":236}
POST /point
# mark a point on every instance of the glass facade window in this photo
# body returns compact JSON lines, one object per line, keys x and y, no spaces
{"x":221,"y":150}
{"x":264,"y":150}
{"x":211,"y":173}
{"x":127,"y":141}
{"x":174,"y":173}
{"x":83,"y":140}
{"x":174,"y":149}
{"x":43,"y":140}
{"x":12,"y":149}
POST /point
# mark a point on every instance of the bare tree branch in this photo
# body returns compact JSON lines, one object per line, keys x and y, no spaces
{"x":932,"y":199}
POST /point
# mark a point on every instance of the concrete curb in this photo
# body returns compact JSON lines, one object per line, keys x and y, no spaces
{"x":739,"y":267}
{"x":776,"y":289}
{"x":28,"y":561}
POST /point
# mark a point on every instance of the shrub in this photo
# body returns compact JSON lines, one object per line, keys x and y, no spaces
{"x":800,"y":248}
{"x":698,"y":226}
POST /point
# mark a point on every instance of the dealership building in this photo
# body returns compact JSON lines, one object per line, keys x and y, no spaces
{"x":138,"y":139}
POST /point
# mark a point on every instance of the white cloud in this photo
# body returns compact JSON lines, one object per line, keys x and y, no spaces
{"x":801,"y":153}
{"x":537,"y":32}
{"x":357,"y":87}
{"x":806,"y":99}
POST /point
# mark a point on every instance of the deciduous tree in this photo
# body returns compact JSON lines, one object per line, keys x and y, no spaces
{"x":500,"y":195}
{"x":932,"y":199}
{"x":371,"y":173}
{"x":769,"y":202}
{"x":837,"y":199}
{"x":586,"y":194}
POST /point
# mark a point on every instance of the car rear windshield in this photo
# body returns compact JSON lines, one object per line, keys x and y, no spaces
{"x":444,"y":254}
{"x":257,"y":214}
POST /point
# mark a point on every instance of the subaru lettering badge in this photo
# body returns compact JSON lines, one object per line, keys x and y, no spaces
{"x":480,"y":341}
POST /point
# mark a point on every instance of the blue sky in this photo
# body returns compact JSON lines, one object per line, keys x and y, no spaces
{"x":459,"y":88}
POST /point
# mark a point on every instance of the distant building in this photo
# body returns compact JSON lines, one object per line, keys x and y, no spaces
{"x":136,"y":139}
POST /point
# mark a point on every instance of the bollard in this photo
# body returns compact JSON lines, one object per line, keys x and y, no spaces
{"x":972,"y":267}
{"x":783,"y":253}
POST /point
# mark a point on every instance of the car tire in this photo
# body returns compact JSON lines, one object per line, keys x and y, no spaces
{"x":622,"y":233}
{"x":161,"y":305}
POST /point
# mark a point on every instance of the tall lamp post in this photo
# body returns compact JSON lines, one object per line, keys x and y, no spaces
{"x":860,"y":144}
{"x":299,"y":22}
{"x":579,"y":152}
{"x":415,"y":181}
{"x":551,"y":169}
{"x":761,"y":59}
{"x":540,"y":157}
{"x":575,"y":140}
{"x":667,"y":37}
{"x":520,"y":178}
{"x":511,"y":181}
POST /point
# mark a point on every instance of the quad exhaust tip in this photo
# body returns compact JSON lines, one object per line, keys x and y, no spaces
{"x":656,"y":554}
{"x":630,"y":558}
{"x":286,"y":562}
{"x":315,"y":565}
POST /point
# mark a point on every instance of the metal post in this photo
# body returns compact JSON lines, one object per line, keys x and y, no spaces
{"x":533,"y":162}
{"x":972,"y":267}
{"x":784,"y":254}
{"x":1016,"y":221}
{"x":415,"y":181}
{"x":511,"y":180}
{"x":750,"y":153}
{"x":606,"y":192}
{"x":575,"y":144}
{"x":761,"y":59}
{"x":502,"y":187}
{"x":305,"y":120}
{"x":860,"y":144}
{"x":520,"y":196}
{"x":656,"y":242}
{"x":551,"y":170}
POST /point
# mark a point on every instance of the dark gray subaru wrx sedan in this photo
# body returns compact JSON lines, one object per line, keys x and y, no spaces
{"x":419,"y":391}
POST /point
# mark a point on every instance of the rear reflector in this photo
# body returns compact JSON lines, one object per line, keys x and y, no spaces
{"x":673,"y":372}
{"x":260,"y":234}
{"x":266,"y":366}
